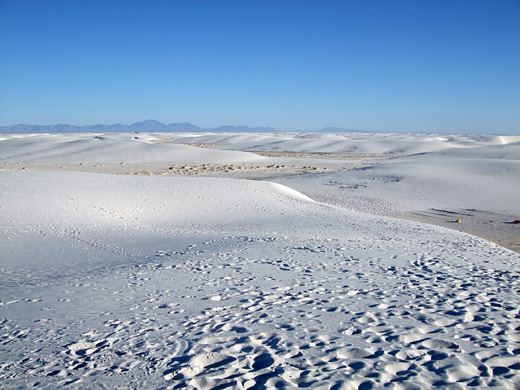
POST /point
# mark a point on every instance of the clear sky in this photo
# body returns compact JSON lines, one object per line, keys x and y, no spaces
{"x":387,"y":65}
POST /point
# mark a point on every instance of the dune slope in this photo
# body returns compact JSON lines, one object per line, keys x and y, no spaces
{"x":166,"y":282}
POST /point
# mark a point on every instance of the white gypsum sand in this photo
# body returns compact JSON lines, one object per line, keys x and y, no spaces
{"x":193,"y":277}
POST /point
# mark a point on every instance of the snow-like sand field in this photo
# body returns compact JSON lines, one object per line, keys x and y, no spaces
{"x":252,"y":261}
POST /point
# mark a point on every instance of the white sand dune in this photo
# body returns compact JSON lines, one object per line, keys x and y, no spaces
{"x":109,"y":148}
{"x":460,"y":178}
{"x":479,"y":186}
{"x":346,"y":142}
{"x":156,"y":282}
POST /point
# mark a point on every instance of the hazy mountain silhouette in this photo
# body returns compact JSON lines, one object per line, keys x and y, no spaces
{"x":147,"y":126}
{"x":144,"y":126}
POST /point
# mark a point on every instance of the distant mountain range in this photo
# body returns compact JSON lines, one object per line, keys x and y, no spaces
{"x":145,"y":126}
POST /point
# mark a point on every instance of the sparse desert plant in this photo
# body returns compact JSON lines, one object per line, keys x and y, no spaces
{"x":516,"y":220}
{"x":458,"y":220}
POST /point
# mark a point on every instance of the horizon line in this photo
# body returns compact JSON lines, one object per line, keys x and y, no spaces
{"x":267,"y":128}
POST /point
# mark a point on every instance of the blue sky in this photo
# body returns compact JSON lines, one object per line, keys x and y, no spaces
{"x":387,"y":65}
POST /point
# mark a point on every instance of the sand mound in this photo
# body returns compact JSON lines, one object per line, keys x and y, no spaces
{"x":124,"y":281}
